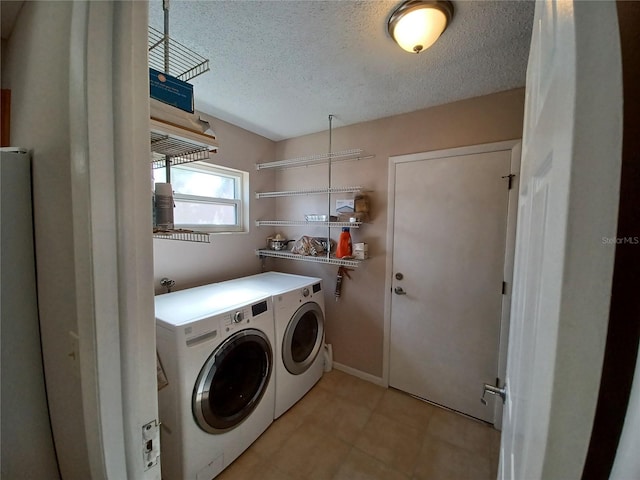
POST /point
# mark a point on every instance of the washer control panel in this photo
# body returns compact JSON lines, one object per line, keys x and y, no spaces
{"x":243,"y":316}
{"x":238,"y":317}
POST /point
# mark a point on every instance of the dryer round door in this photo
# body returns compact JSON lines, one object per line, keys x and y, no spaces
{"x":232,"y":381}
{"x":303,"y":338}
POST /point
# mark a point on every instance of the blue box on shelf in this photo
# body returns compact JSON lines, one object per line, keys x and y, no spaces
{"x":171,"y":90}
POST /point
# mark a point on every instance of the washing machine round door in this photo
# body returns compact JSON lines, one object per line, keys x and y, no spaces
{"x":232,"y":381}
{"x":303,"y":338}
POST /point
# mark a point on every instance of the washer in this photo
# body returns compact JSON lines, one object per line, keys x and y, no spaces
{"x":215,"y":344}
{"x":298,"y":305}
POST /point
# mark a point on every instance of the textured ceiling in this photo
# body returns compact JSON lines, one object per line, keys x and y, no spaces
{"x":278,"y":68}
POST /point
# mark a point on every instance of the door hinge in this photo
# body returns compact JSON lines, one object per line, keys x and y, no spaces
{"x":504,"y":288}
{"x":150,"y":444}
{"x":510,"y":177}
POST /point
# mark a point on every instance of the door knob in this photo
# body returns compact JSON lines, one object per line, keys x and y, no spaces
{"x":500,"y":392}
{"x":399,"y":291}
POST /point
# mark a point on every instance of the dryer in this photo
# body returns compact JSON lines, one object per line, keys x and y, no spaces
{"x":216,"y":346}
{"x":298,"y":305}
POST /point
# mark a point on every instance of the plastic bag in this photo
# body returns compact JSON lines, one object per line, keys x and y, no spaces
{"x":307,"y":246}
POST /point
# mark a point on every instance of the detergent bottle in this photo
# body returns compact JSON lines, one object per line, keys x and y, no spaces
{"x":344,"y":244}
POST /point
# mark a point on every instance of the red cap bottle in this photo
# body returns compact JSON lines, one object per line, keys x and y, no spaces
{"x":344,"y":244}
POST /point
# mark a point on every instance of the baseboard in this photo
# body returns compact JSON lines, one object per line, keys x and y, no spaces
{"x":360,"y":374}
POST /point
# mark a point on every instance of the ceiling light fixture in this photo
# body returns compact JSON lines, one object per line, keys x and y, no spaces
{"x":416,"y":24}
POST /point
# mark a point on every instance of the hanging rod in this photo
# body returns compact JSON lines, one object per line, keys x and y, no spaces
{"x":304,"y":223}
{"x":353,"y":154}
{"x":295,"y":193}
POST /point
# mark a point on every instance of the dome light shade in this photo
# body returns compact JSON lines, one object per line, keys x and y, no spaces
{"x":417,"y":24}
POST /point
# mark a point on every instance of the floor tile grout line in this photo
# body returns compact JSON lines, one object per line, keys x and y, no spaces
{"x":353,"y":394}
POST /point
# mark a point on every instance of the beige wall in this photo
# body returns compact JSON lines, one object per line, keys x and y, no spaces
{"x":228,"y":255}
{"x":355,"y":323}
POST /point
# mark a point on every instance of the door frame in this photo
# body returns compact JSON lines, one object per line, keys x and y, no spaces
{"x":515,"y":147}
{"x":113,"y":254}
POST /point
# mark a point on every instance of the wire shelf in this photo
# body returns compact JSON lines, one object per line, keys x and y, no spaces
{"x":303,"y":223}
{"x":308,"y":258}
{"x":178,"y":144}
{"x":294,"y":193}
{"x":184,"y":63}
{"x":353,"y":154}
{"x":183,"y":235}
{"x":325,"y":158}
{"x":178,"y":150}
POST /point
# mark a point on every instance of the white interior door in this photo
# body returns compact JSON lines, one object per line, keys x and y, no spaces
{"x":569,"y":189}
{"x":449,"y":242}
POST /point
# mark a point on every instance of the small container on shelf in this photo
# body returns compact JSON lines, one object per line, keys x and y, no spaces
{"x":164,"y":206}
{"x":361,"y":203}
{"x":355,"y":209}
{"x":317,"y":217}
{"x":353,"y":217}
{"x":345,"y":205}
{"x":360,"y":251}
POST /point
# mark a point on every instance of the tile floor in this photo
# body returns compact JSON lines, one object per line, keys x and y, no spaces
{"x":348,"y":429}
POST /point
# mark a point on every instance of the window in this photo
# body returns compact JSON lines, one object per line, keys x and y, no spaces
{"x":208,"y":197}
